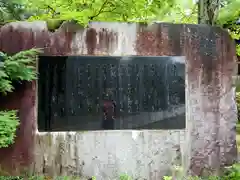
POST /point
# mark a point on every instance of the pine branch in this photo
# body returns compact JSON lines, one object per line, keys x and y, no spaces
{"x":18,"y":67}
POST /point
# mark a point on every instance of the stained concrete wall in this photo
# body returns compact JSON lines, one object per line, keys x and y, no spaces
{"x":108,"y":154}
{"x":210,"y":106}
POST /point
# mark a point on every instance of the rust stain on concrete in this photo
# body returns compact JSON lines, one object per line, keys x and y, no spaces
{"x":210,"y":61}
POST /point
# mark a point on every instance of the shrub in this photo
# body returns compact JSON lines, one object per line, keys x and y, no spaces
{"x":8,"y":126}
{"x":16,"y":68}
{"x":233,"y":172}
{"x":19,"y":67}
{"x":230,"y":173}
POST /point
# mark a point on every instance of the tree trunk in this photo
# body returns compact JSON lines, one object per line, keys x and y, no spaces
{"x":208,"y":11}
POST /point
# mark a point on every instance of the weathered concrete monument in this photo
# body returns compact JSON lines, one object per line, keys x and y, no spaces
{"x":206,"y":144}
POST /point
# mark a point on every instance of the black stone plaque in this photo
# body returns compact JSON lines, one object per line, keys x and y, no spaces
{"x":96,"y":93}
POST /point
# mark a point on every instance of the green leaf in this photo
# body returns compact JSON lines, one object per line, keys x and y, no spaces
{"x":8,"y":125}
{"x":3,"y":74}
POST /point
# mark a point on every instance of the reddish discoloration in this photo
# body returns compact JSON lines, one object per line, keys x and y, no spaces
{"x":209,"y":78}
{"x":203,"y":72}
{"x":91,"y":41}
{"x":106,"y":40}
{"x":23,"y":99}
{"x":153,"y":42}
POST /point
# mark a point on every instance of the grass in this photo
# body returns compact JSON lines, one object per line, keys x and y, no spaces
{"x":238,"y":137}
{"x":238,"y":142}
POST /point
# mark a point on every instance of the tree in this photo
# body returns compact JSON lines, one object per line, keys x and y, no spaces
{"x":208,"y":11}
{"x":224,"y":13}
{"x":229,"y":16}
{"x":84,"y":11}
{"x":182,"y":12}
{"x":11,"y":10}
